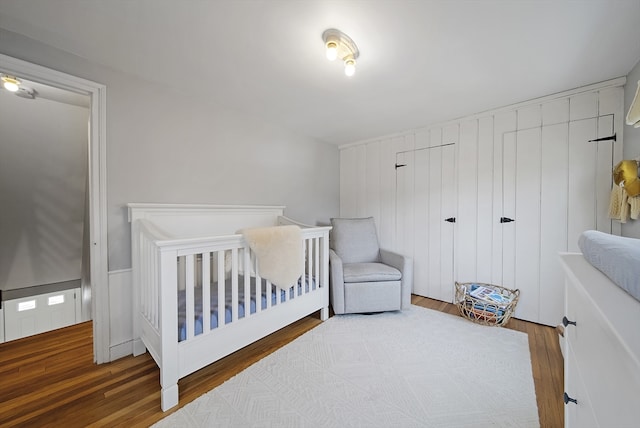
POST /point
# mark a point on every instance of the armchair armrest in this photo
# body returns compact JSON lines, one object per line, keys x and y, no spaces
{"x":336,"y":281}
{"x":405,"y":265}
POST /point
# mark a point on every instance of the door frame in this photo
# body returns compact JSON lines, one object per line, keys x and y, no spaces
{"x":97,"y":187}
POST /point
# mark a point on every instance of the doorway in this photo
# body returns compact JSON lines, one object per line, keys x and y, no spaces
{"x":43,"y":187}
{"x":96,"y":186}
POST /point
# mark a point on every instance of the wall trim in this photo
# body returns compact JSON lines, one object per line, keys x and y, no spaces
{"x":612,"y":83}
{"x":120,"y":322}
{"x":120,"y":351}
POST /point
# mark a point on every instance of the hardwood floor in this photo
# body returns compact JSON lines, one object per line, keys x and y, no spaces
{"x":50,"y":379}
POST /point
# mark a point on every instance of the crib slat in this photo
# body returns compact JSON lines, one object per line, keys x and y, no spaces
{"x":153,"y":283}
{"x":234,"y":284}
{"x":151,"y":288}
{"x":190,"y":294}
{"x":309,"y":272}
{"x":270,"y":293}
{"x":146,"y":295}
{"x":144,"y":281}
{"x":221,"y":285}
{"x":316,"y":277}
{"x":258,"y":285}
{"x":246,"y":267}
{"x":206,"y":291}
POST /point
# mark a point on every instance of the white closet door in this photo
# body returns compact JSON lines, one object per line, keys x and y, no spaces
{"x":426,"y":187}
{"x":521,"y":198}
{"x":582,"y":180}
{"x":404,"y":203}
{"x":555,"y":186}
{"x":590,"y":165}
{"x":553,"y":220}
{"x":446,"y":226}
{"x":604,"y":178}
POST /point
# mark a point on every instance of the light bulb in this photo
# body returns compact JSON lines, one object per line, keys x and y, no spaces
{"x":332,"y":51}
{"x":349,"y":67}
{"x":10,"y":83}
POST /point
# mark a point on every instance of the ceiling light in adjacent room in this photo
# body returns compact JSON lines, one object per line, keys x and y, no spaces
{"x":10,"y":83}
{"x":339,"y":45}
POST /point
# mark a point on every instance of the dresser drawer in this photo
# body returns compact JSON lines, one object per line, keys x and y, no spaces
{"x":580,"y":414}
{"x":609,"y":373}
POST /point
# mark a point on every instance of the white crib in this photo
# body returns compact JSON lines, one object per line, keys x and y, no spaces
{"x":178,"y":248}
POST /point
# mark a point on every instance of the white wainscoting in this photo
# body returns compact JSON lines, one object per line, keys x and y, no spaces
{"x":527,"y":182}
{"x":27,"y":316}
{"x":120,"y":318}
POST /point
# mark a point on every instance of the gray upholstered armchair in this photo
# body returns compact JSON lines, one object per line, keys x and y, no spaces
{"x":364,"y":277}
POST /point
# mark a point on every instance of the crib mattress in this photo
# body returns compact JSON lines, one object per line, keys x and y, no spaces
{"x":213,"y":316}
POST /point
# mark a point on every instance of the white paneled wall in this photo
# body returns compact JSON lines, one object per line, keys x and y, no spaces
{"x":531,"y":163}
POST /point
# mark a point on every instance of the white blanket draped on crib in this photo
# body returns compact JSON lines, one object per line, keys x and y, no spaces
{"x":278,"y":251}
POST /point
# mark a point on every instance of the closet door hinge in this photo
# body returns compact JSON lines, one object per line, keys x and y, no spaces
{"x":611,"y":138}
{"x":400,"y":165}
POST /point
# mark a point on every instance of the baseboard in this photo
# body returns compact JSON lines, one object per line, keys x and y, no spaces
{"x":1,"y":325}
{"x":120,"y":313}
{"x":122,"y":350}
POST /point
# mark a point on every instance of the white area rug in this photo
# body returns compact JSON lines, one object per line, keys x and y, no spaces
{"x":417,"y":368}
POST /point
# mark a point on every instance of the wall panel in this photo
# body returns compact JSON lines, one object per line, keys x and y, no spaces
{"x":348,"y":182}
{"x":405,"y":203}
{"x":503,"y":123}
{"x":532,"y":163}
{"x":361,"y":180}
{"x":467,"y":201}
{"x":447,"y":234}
{"x":582,"y":179}
{"x":527,"y":222}
{"x":422,"y":230}
{"x":386,"y":223}
{"x":554,"y":192}
{"x":372,"y":184}
{"x":485,"y":216}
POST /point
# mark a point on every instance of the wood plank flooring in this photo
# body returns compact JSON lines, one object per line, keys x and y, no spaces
{"x":51,"y":380}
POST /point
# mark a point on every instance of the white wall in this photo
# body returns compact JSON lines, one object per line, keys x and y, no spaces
{"x":631,"y":141}
{"x":43,"y":167}
{"x":167,"y":146}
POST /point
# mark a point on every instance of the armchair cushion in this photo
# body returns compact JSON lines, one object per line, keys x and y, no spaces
{"x":369,"y":272}
{"x":355,"y":240}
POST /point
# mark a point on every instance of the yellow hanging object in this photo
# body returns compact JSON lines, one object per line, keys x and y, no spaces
{"x":625,"y":174}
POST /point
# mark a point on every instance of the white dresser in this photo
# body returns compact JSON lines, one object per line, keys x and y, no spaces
{"x":602,"y":349}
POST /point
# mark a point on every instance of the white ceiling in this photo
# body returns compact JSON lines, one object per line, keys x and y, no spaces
{"x":421,"y":62}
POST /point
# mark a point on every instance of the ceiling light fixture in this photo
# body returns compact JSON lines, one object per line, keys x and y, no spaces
{"x":339,"y":45}
{"x":28,"y":93}
{"x":10,"y":83}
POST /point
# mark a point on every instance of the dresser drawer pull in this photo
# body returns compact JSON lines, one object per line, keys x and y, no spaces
{"x":568,"y":399}
{"x":566,"y":322}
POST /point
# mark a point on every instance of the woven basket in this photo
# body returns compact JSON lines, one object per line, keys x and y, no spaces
{"x":482,"y":312}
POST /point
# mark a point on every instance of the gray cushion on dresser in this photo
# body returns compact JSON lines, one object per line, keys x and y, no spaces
{"x":617,"y":257}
